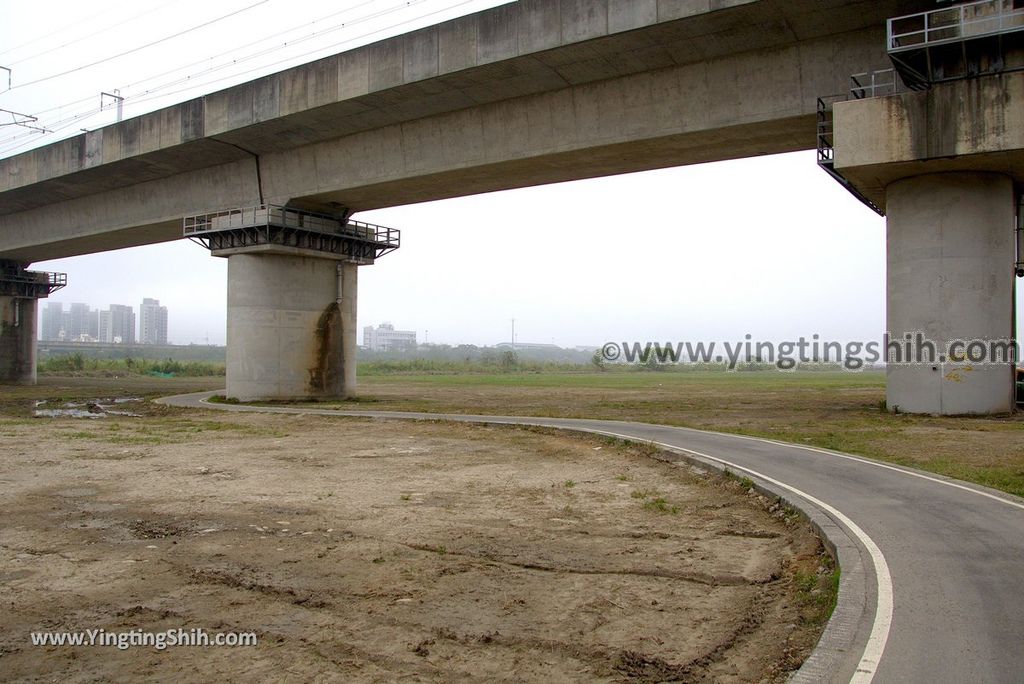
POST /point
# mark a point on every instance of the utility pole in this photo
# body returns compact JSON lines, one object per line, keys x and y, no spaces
{"x":116,"y":96}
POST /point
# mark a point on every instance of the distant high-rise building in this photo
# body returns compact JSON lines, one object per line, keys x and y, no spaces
{"x":105,"y":334}
{"x":386,"y":338}
{"x":152,"y":322}
{"x":78,"y":323}
{"x":117,"y":324}
{"x":93,"y":327}
{"x":53,"y":321}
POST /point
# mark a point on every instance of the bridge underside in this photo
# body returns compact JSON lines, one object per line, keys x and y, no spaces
{"x":530,"y":93}
{"x":540,"y":92}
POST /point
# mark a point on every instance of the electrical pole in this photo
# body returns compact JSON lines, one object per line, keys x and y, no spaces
{"x":116,"y":96}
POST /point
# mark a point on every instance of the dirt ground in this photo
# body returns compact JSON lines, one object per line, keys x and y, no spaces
{"x":361,"y":550}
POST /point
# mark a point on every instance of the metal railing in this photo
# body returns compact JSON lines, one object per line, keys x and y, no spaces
{"x":826,"y":129}
{"x":826,"y":146}
{"x":952,"y":24}
{"x":275,"y":216}
{"x":33,"y":284}
{"x":53,"y":280}
{"x":877,"y":83}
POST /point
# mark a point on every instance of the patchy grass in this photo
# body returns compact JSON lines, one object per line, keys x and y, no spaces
{"x":830,"y":410}
{"x":654,"y":501}
{"x":817,"y":592}
{"x":660,"y":505}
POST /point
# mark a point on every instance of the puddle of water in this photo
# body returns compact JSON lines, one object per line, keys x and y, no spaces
{"x":66,"y":413}
{"x":93,"y":409}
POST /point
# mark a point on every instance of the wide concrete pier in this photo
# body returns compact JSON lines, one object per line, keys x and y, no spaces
{"x":18,"y":327}
{"x":947,"y":167}
{"x":951,"y":254}
{"x":291,"y":327}
{"x":19,"y":291}
{"x":291,"y":297}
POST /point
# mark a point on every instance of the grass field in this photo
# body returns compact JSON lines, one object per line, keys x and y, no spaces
{"x":834,"y":410}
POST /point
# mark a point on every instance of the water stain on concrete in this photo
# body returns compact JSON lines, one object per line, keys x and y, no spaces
{"x":325,"y":374}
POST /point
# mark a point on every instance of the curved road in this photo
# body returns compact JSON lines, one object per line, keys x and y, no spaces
{"x":932,"y":586}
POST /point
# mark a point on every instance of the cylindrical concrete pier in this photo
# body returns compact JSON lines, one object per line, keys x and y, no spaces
{"x":289,"y":327}
{"x":950,"y":277}
{"x":17,"y":341}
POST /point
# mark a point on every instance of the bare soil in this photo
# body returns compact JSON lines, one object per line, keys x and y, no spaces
{"x":363,"y":550}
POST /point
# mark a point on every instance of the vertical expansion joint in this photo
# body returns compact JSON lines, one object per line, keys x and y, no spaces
{"x":256,"y":157}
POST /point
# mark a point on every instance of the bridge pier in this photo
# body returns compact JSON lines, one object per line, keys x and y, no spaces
{"x":19,"y":290}
{"x":950,"y":276}
{"x":292,"y":294}
{"x":291,"y":327}
{"x":18,"y":328}
{"x":946,"y":166}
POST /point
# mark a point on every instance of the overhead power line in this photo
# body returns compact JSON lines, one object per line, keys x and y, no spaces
{"x":67,"y":27}
{"x":69,"y":119}
{"x":141,"y":47}
{"x":22,"y":120}
{"x":87,"y":36}
{"x":152,"y":77}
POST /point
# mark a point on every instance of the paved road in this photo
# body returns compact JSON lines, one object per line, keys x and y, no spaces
{"x":932,"y":585}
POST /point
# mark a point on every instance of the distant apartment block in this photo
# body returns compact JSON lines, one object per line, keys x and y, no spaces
{"x":117,"y":325}
{"x":152,"y":322}
{"x":78,"y":323}
{"x":385,"y":338}
{"x":53,"y":322}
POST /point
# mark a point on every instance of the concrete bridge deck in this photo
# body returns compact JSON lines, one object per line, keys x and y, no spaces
{"x":532,"y":92}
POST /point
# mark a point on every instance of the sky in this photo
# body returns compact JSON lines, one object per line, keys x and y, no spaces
{"x":768,"y":246}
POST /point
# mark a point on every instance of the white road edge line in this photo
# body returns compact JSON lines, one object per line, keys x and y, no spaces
{"x":875,"y":647}
{"x":848,"y":457}
{"x":902,"y":470}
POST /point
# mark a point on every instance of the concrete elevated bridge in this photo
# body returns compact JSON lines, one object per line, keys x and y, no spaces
{"x":541,"y":91}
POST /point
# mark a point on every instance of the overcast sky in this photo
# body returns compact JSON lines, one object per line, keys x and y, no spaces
{"x":769,"y":246}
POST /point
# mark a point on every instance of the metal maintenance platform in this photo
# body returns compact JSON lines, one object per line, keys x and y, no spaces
{"x":273,"y":228}
{"x":965,"y":40}
{"x":15,"y":281}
